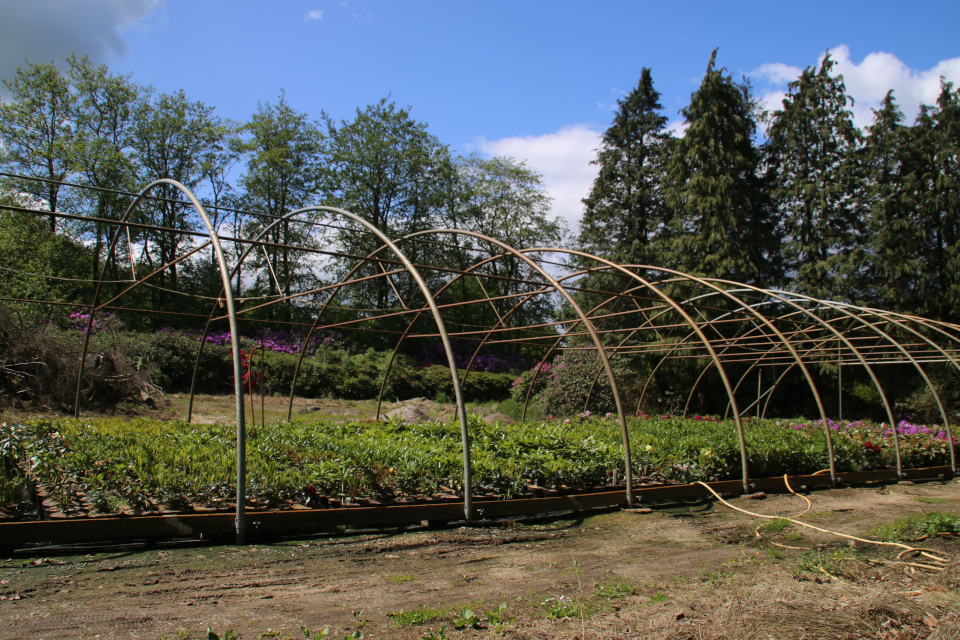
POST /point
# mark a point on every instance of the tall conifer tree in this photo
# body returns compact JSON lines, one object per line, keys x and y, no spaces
{"x":722,"y":225}
{"x":624,"y":211}
{"x":895,"y":237}
{"x":813,"y":141}
{"x":937,"y":139}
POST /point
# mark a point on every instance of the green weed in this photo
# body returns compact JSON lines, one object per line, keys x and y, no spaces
{"x":466,"y":618}
{"x":832,"y":563}
{"x":421,"y":615}
{"x":660,"y":596}
{"x":615,"y":588}
{"x":563,"y":607}
{"x":497,"y":619}
{"x":399,"y":578}
{"x":717,"y":576}
{"x":774,"y":526}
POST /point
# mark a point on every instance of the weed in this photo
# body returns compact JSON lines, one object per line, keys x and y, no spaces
{"x":775,"y":553}
{"x":937,"y":523}
{"x":319,"y":635}
{"x":821,"y":514}
{"x":439,"y":634}
{"x":421,"y":615}
{"x":360,"y":620}
{"x":562,"y":607}
{"x":794,"y":535}
{"x":229,"y":635}
{"x":896,"y":530}
{"x":929,"y":500}
{"x":818,"y":562}
{"x":402,"y":577}
{"x":774,"y":526}
{"x":497,"y":619}
{"x":466,"y":618}
{"x":615,"y":588}
{"x":659,"y":596}
{"x":717,"y":576}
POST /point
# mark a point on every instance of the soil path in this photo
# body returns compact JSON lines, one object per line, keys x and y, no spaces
{"x":682,"y":571}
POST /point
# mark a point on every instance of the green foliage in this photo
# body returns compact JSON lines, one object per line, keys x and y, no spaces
{"x":36,"y":263}
{"x":816,"y":562}
{"x":132,"y":465}
{"x":578,"y":382}
{"x":498,"y":619}
{"x":418,"y":616}
{"x":911,"y":527}
{"x":466,"y":618}
{"x":817,"y":183}
{"x":723,"y":224}
{"x":563,"y":607}
{"x":774,"y":526}
{"x":615,"y":588}
{"x":624,"y":215}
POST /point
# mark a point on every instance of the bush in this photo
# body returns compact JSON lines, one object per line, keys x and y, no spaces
{"x":39,"y":362}
{"x":574,"y":378}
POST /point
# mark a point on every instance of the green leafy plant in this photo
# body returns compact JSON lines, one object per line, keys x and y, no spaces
{"x":439,"y":634}
{"x":466,"y":618}
{"x":420,"y":615}
{"x":322,"y":634}
{"x":774,"y":526}
{"x":498,"y":619}
{"x":562,"y":607}
{"x":615,"y":588}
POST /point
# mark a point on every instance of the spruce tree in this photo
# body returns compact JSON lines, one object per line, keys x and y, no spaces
{"x":895,"y":237}
{"x":937,"y":139}
{"x":722,"y":225}
{"x":625,"y":212}
{"x":813,"y":144}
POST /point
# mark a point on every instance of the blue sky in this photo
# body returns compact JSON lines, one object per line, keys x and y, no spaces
{"x":537,"y":80}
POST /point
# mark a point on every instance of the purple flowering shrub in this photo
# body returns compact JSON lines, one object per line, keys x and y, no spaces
{"x":435,"y":354}
{"x":103,"y":321}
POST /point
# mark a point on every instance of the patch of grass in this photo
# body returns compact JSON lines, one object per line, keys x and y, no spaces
{"x":717,"y":576}
{"x":834,"y":563}
{"x":794,"y":535}
{"x":911,"y":527}
{"x":400,"y":577}
{"x":660,"y":596}
{"x":929,"y":500}
{"x":615,"y":588}
{"x":774,"y":526}
{"x":821,"y":514}
{"x":896,"y":530}
{"x":418,"y":616}
{"x":776,"y":554}
{"x":564,"y":607}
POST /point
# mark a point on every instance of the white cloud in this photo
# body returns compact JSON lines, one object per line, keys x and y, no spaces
{"x":867,"y":82}
{"x":562,"y":158}
{"x":316,"y":14}
{"x":50,"y":30}
{"x":776,"y":73}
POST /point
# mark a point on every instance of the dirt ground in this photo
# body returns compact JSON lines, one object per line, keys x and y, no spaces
{"x":695,"y":570}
